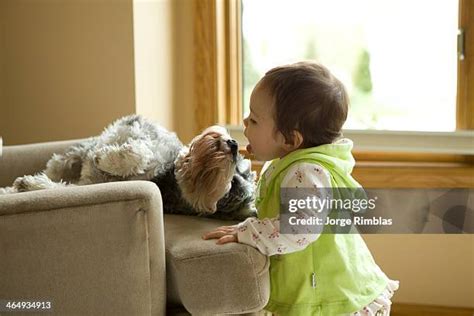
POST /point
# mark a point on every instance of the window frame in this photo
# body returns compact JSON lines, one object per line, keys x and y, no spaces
{"x":465,"y":96}
{"x":217,"y":60}
{"x":218,"y":88}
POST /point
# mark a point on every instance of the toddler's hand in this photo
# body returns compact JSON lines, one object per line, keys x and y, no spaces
{"x":225,"y":234}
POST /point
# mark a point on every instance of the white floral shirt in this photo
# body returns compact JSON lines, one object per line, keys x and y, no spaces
{"x":264,"y":234}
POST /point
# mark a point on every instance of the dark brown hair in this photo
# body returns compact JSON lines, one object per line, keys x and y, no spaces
{"x":309,"y":99}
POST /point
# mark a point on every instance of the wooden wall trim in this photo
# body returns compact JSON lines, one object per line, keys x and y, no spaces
{"x":403,"y":309}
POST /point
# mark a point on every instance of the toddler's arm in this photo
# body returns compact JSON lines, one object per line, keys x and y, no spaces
{"x":265,"y":234}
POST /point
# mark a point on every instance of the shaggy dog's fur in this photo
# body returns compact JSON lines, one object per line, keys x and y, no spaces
{"x":208,"y":178}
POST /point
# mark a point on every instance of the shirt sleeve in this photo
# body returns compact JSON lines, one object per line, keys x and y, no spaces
{"x":265,"y":234}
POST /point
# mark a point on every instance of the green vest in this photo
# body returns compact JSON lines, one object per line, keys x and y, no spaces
{"x":335,"y":274}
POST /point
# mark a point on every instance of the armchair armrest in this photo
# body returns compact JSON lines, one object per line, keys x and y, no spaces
{"x":96,"y":249}
{"x":20,"y":160}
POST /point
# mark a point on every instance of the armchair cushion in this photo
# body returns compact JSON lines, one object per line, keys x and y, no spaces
{"x":210,"y":279}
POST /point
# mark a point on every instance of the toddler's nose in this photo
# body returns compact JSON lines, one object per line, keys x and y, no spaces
{"x":233,"y":145}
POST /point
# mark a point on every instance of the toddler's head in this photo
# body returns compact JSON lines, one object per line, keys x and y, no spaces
{"x":295,"y":106}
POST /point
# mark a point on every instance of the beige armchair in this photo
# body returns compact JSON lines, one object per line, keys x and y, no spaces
{"x":107,"y":249}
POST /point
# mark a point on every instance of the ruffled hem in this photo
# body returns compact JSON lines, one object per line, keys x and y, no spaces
{"x":381,"y":305}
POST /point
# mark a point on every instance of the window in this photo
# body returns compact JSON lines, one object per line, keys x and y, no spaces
{"x":398,"y":106}
{"x":397,"y":59}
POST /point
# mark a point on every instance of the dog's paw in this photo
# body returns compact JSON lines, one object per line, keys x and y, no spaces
{"x":24,"y":184}
{"x":7,"y":190}
{"x":33,"y":183}
{"x":125,"y":160}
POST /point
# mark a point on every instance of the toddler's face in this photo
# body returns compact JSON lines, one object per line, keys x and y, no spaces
{"x":264,"y":142}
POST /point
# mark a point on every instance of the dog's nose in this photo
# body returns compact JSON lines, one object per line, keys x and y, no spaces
{"x":233,"y":145}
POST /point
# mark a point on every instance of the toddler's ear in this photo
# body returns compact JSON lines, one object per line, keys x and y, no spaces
{"x":296,"y":141}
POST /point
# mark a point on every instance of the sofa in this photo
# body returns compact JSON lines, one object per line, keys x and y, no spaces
{"x":108,"y":249}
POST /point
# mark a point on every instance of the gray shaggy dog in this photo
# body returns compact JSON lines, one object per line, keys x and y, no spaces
{"x":207,"y":178}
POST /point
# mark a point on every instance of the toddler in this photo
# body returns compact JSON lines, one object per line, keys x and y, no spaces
{"x":296,"y":116}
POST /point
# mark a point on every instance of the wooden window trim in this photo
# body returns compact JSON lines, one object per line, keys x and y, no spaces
{"x":218,"y":86}
{"x":465,"y":94}
{"x":404,"y":174}
{"x":217,"y":70}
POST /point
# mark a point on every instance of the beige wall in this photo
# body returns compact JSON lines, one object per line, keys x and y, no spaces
{"x":68,"y":68}
{"x":2,"y":69}
{"x":153,"y":47}
{"x":432,"y":269}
